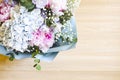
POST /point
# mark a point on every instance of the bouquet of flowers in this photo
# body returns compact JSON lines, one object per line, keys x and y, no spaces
{"x":36,"y":28}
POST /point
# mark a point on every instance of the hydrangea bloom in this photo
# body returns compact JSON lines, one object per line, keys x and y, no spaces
{"x":22,"y":27}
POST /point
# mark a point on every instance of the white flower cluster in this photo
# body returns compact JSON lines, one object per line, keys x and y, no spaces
{"x":73,"y":4}
{"x":21,"y":28}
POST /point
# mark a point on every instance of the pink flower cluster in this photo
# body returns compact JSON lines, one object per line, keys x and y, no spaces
{"x":56,"y":5}
{"x":43,"y":39}
{"x":4,"y":11}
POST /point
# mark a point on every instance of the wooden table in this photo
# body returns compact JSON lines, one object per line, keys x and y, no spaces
{"x":96,"y":57}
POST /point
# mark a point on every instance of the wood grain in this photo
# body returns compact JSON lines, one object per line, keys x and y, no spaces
{"x":96,"y":56}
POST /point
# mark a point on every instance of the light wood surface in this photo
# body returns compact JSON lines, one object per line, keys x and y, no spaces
{"x":96,"y":56}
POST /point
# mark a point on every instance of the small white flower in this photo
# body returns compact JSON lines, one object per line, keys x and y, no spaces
{"x":23,"y":10}
{"x":26,"y":20}
{"x":57,"y":28}
{"x":40,"y":3}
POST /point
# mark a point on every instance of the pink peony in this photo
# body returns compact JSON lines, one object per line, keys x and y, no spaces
{"x":4,"y":11}
{"x":43,"y":39}
{"x":56,"y":5}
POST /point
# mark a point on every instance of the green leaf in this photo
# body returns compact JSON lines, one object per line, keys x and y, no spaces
{"x":34,"y":54}
{"x":22,"y":0}
{"x":34,"y":50}
{"x":37,"y":60}
{"x":35,"y":65}
{"x":30,"y":8}
{"x":38,"y":67}
{"x":75,"y":40}
{"x":65,"y":17}
{"x":11,"y":58}
{"x":49,"y":22}
{"x":28,"y":4}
